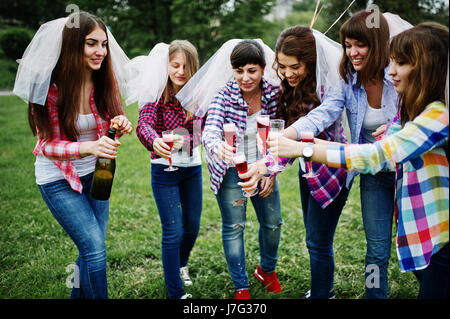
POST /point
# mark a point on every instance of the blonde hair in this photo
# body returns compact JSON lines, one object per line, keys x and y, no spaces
{"x":191,"y":57}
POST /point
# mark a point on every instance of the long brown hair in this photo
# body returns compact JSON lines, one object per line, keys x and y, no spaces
{"x":68,"y":75}
{"x":425,"y":49}
{"x":191,"y":57}
{"x":377,"y":40}
{"x":295,"y":101}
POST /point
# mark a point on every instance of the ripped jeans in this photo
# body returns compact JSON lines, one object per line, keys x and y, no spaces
{"x":233,"y":207}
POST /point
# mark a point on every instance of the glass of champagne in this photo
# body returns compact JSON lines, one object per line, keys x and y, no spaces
{"x":229,"y":132}
{"x":308,"y":137}
{"x":241,"y":165}
{"x":276,"y":129}
{"x":263,"y":122}
{"x":168,"y":139}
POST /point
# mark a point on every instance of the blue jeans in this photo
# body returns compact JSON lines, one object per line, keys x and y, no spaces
{"x":377,"y":204}
{"x":434,"y":280}
{"x":85,"y":220}
{"x":178,"y":196}
{"x":233,"y":207}
{"x":320,"y":225}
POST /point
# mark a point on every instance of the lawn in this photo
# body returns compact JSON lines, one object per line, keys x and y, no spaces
{"x":36,"y":254}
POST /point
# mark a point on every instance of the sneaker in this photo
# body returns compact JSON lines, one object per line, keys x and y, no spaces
{"x":186,"y":296}
{"x":243,"y":294}
{"x":184,"y":274}
{"x":270,"y":281}
{"x":331,"y":295}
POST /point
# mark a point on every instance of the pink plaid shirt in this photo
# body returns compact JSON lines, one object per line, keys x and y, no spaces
{"x":60,"y":150}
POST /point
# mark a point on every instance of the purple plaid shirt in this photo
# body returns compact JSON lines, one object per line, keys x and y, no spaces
{"x":325,"y":187}
{"x":154,"y":118}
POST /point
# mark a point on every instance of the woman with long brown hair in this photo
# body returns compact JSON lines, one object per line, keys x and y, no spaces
{"x":323,"y":197}
{"x":71,"y":107}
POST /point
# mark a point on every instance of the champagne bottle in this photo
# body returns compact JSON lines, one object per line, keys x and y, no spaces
{"x":104,"y":174}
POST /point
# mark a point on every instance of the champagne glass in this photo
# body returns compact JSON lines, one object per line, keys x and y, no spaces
{"x":168,"y":139}
{"x":241,"y":165}
{"x":229,"y":132}
{"x":263,"y":122}
{"x":276,"y":129}
{"x":308,"y":137}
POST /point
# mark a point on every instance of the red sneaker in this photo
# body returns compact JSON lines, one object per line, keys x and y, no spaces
{"x":243,"y":294}
{"x":270,"y":281}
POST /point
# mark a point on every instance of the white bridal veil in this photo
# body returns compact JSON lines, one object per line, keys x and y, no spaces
{"x":196,"y":95}
{"x":40,"y":58}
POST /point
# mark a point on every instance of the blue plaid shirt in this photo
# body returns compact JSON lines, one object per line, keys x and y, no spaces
{"x":352,"y":97}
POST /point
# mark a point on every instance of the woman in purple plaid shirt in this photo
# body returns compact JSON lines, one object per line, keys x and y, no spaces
{"x":178,"y":194}
{"x":322,"y":197}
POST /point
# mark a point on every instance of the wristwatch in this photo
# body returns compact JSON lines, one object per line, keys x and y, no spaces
{"x":308,"y":151}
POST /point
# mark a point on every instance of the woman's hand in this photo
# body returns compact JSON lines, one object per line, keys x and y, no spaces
{"x":178,"y":141}
{"x":161,"y":148}
{"x":267,"y":186}
{"x":225,"y":152}
{"x":255,"y":172}
{"x":121,"y":124}
{"x":282,"y":146}
{"x":103,"y":147}
{"x":379,"y":132}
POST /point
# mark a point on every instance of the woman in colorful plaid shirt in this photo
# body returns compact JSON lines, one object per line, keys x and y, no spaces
{"x":417,"y":143}
{"x":82,"y":103}
{"x":240,"y":101}
{"x":178,"y":194}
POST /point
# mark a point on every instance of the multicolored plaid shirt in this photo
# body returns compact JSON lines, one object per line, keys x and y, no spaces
{"x":422,"y":180}
{"x":156,"y":117}
{"x":229,"y":106}
{"x":59,"y":148}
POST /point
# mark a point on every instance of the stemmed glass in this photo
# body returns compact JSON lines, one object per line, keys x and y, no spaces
{"x":229,"y":132}
{"x":263,"y":122}
{"x":241,"y":165}
{"x":276,"y":129}
{"x":308,"y":137}
{"x":168,"y":139}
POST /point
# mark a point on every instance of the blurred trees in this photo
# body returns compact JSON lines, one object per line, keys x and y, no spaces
{"x":139,"y":25}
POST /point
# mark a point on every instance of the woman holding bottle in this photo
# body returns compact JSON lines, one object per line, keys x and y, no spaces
{"x":74,"y":97}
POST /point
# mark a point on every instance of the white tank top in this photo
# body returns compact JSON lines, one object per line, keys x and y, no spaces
{"x":372,"y":120}
{"x":46,"y":171}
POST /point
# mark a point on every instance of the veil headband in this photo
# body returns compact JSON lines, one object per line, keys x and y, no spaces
{"x":149,"y":75}
{"x":40,"y":58}
{"x":199,"y":91}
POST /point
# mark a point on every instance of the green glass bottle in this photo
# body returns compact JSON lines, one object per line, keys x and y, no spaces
{"x":104,"y":174}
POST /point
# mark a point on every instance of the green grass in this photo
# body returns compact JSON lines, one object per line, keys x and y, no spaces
{"x":35,"y":251}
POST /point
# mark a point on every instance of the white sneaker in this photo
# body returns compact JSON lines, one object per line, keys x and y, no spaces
{"x":184,"y":274}
{"x":186,"y":296}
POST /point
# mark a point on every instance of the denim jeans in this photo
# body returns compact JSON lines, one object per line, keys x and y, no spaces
{"x":320,"y":225}
{"x":178,"y":196}
{"x":233,"y":207}
{"x":377,"y":204}
{"x":85,"y":220}
{"x":434,"y":280}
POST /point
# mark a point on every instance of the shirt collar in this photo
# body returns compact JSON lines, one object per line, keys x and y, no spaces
{"x":386,"y":79}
